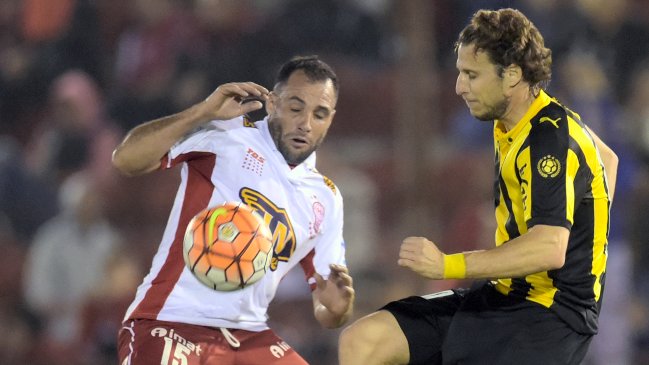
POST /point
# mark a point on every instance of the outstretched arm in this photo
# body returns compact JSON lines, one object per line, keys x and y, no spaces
{"x":333,"y":299}
{"x":143,"y":147}
{"x":540,"y":249}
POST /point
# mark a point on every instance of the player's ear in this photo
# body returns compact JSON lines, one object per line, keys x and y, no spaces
{"x":512,"y":75}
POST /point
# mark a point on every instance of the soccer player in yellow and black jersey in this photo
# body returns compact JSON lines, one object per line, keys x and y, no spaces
{"x":554,"y":184}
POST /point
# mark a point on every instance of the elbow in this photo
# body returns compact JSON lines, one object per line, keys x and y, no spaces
{"x":557,"y":260}
{"x":552,"y":246}
{"x":615,"y":161}
{"x":118,"y":162}
{"x":610,"y":159}
{"x":556,"y":255}
{"x":121,"y":164}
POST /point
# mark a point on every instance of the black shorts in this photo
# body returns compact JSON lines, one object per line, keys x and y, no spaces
{"x":481,"y":326}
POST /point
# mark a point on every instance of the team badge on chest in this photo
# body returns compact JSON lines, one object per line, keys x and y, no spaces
{"x":318,"y":217}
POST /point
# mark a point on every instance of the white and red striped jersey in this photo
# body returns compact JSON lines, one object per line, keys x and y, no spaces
{"x":237,"y":160}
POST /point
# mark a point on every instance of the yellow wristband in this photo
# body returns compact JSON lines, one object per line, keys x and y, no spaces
{"x":454,"y":266}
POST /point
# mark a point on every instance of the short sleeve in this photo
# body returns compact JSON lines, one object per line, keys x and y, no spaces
{"x":330,"y":244}
{"x":549,"y":193}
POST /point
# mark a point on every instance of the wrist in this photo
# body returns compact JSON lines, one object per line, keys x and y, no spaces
{"x":455,"y":266}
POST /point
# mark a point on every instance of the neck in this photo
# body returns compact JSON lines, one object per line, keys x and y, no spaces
{"x":519,"y":104}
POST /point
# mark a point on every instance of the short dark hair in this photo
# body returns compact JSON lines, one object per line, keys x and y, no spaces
{"x":508,"y":37}
{"x":313,"y":67}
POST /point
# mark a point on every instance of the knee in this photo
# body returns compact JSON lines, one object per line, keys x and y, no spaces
{"x":372,"y":340}
{"x":366,"y":333}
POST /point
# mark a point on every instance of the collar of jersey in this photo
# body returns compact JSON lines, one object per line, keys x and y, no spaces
{"x":499,"y":128}
{"x":307,"y":165}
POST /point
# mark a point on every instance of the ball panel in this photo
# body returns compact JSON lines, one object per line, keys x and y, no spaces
{"x":261,"y":261}
{"x":256,"y":276}
{"x":215,"y":276}
{"x":218,"y":261}
{"x":232,"y":274}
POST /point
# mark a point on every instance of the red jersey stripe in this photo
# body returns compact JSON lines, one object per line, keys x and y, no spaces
{"x":309,"y":268}
{"x":197,"y":197}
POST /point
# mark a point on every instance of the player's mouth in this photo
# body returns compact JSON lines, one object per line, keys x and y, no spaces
{"x":469,"y":102}
{"x":298,"y":142}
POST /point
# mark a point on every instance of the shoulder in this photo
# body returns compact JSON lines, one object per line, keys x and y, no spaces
{"x":323,"y":182}
{"x":552,"y":117}
{"x":211,"y":132}
{"x":238,"y":123}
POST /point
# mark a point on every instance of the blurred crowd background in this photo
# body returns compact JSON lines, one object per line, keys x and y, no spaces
{"x":76,"y":238}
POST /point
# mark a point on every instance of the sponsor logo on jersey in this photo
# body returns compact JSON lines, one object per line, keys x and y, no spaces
{"x":277,"y":220}
{"x":524,"y":184}
{"x":548,"y":166}
{"x":253,"y":161}
{"x":553,"y":121}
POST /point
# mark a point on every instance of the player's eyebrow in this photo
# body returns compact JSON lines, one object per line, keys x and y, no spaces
{"x":319,"y":108}
{"x":298,"y":99}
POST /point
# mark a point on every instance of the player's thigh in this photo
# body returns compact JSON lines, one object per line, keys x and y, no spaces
{"x":149,"y":342}
{"x":424,"y":322}
{"x":377,"y":335}
{"x":266,"y":347}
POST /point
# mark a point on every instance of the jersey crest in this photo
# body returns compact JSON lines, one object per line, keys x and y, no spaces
{"x":549,"y":166}
{"x":277,"y":219}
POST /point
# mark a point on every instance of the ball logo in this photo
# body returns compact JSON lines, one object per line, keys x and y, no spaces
{"x":549,"y":166}
{"x":228,"y":232}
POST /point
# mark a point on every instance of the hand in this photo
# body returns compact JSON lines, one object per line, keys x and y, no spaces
{"x":422,"y":256}
{"x":227,"y":101}
{"x":336,"y":293}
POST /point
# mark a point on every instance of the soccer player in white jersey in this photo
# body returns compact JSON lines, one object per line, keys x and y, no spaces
{"x":269,"y":165}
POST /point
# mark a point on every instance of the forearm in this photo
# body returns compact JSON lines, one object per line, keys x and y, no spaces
{"x":144,"y":146}
{"x":541,"y":249}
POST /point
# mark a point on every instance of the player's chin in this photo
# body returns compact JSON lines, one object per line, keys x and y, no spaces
{"x":297,"y":156}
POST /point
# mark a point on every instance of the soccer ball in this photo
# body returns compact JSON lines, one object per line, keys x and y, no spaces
{"x":228,"y":247}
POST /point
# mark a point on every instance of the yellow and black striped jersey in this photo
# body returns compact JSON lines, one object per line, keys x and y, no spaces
{"x":548,"y":171}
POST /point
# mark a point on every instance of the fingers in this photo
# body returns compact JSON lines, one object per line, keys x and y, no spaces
{"x":340,"y":274}
{"x":244,"y":89}
{"x":338,"y":268}
{"x":405,"y":262}
{"x":247,"y":107}
{"x":411,"y":251}
{"x":321,"y":283}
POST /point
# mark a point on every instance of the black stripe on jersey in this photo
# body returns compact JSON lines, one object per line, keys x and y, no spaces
{"x":520,"y":288}
{"x":584,"y":176}
{"x":510,"y":226}
{"x":497,"y":179}
{"x":549,"y":141}
{"x":576,"y":274}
